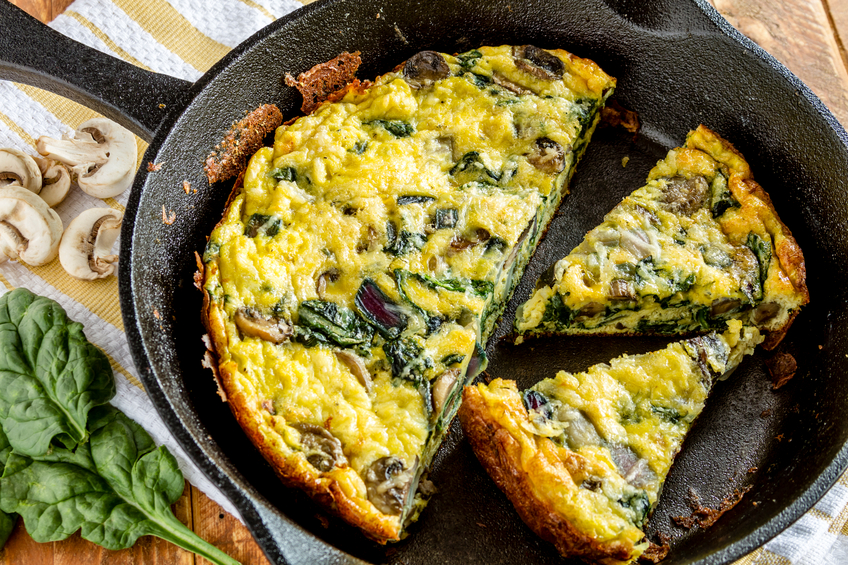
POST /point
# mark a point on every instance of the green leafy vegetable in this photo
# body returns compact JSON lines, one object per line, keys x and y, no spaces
{"x":453,"y":359}
{"x":7,"y":521}
{"x":762,"y":249}
{"x":721,"y":198}
{"x":480,"y":81}
{"x":284,"y":173}
{"x":262,"y":224}
{"x":405,"y":242}
{"x":414,"y":199}
{"x":446,"y":218}
{"x":359,"y":147}
{"x":409,"y":361}
{"x":397,"y":128}
{"x":468,"y":59}
{"x":333,"y":323}
{"x":115,"y":488}
{"x":473,"y":168}
{"x":211,"y":251}
{"x":50,"y":375}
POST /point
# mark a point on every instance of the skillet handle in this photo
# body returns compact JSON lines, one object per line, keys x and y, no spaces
{"x":35,"y":54}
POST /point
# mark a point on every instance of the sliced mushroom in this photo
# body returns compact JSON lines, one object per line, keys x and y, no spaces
{"x":16,"y":167}
{"x":29,"y":229}
{"x":724,"y":305}
{"x":639,"y":243}
{"x":633,"y":468}
{"x":580,"y":431}
{"x":621,"y":289}
{"x":253,"y":324}
{"x":387,"y":482}
{"x":442,"y":387}
{"x":766,"y":311}
{"x":102,"y":155}
{"x":480,"y":236}
{"x":357,"y":367}
{"x":686,"y":196}
{"x":424,"y":68}
{"x":331,"y":275}
{"x":504,"y":82}
{"x":85,"y":252}
{"x":590,"y":310}
{"x":323,"y":450}
{"x":548,"y":156}
{"x":538,"y":62}
{"x":55,"y":181}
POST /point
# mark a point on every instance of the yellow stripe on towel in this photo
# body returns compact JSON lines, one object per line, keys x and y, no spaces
{"x":174,"y":32}
{"x":107,"y":40}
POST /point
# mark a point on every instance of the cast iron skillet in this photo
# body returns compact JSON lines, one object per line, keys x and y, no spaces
{"x":678,"y":64}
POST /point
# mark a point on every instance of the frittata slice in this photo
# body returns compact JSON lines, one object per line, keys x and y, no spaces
{"x":698,"y":245}
{"x":583,"y":457}
{"x":358,"y":272}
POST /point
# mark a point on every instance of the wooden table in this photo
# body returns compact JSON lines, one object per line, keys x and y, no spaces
{"x":808,"y":36}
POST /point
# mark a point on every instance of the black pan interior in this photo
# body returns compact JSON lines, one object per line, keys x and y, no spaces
{"x":677,"y":65}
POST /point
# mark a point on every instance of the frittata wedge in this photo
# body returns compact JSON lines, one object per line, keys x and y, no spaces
{"x":359,"y":269}
{"x":698,"y":245}
{"x":583,"y":456}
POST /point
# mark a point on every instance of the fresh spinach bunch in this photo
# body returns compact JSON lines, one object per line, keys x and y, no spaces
{"x":116,"y":487}
{"x":70,"y":461}
{"x":50,"y":374}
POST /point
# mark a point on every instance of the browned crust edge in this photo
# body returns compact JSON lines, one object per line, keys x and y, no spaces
{"x":788,"y":254}
{"x":240,"y":143}
{"x":500,"y":455}
{"x":320,"y":82}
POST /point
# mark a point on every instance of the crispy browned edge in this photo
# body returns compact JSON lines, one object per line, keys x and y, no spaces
{"x":790,"y":255}
{"x":320,"y":82}
{"x":241,"y":142}
{"x":500,"y":455}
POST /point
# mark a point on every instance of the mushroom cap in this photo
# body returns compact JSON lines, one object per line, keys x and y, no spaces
{"x":85,"y":251}
{"x":29,"y":229}
{"x":102,"y":155}
{"x":56,"y":181}
{"x":18,"y":167}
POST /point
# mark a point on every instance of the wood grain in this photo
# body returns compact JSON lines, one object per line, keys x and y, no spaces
{"x":224,"y":531}
{"x":799,"y":34}
{"x":808,"y":36}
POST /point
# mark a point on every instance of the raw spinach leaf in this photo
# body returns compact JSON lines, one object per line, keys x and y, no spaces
{"x":50,"y":375}
{"x":7,"y":521}
{"x":116,"y":488}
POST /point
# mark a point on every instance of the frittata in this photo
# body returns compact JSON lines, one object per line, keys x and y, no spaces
{"x":698,"y":245}
{"x":362,"y":264}
{"x":583,"y":457}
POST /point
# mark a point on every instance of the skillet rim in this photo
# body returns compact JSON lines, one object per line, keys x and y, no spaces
{"x":243,"y":495}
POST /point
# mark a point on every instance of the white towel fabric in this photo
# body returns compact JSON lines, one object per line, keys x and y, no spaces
{"x":184,"y":38}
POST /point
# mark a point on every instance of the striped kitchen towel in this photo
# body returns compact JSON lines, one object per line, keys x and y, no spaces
{"x":184,"y":38}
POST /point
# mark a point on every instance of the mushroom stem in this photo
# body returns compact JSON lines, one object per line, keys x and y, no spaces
{"x":85,"y":252}
{"x":102,"y":154}
{"x":29,"y":229}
